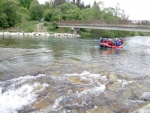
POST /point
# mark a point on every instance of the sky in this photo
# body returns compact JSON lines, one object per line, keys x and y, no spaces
{"x":135,"y":9}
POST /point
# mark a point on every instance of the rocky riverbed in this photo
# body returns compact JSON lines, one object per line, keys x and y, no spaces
{"x":79,"y":93}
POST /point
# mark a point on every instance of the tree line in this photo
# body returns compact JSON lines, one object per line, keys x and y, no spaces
{"x":15,"y":12}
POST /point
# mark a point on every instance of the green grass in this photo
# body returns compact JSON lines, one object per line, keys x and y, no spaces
{"x":29,"y":26}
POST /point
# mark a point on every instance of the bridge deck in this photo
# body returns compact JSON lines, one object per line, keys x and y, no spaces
{"x":126,"y":26}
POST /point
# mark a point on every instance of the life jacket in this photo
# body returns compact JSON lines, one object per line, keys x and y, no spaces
{"x":101,"y":40}
{"x":118,"y":43}
{"x":122,"y":41}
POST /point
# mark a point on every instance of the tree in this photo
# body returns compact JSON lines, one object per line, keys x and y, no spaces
{"x":3,"y":20}
{"x":117,"y":10}
{"x":87,"y":14}
{"x":74,"y":1}
{"x":124,"y":16}
{"x":78,"y":2}
{"x":36,"y":12}
{"x":58,"y":2}
{"x":33,"y":3}
{"x":73,"y":14}
{"x":109,"y":14}
{"x":47,"y":5}
{"x":9,"y":13}
{"x":61,"y":11}
{"x":48,"y":15}
{"x":96,"y":12}
{"x":25,"y":3}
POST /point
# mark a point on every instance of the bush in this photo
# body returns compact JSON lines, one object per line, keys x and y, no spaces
{"x":53,"y":26}
{"x":45,"y":24}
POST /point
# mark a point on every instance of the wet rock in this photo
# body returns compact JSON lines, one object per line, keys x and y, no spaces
{"x":78,"y":110}
{"x":26,"y":110}
{"x":76,"y":80}
{"x":51,"y":95}
{"x":131,"y":94}
{"x":113,"y":86}
{"x":145,"y":96}
{"x":142,"y":108}
{"x":142,"y":87}
{"x":125,"y":77}
{"x":101,"y":109}
{"x":100,"y":100}
{"x":112,"y":77}
{"x":41,"y":104}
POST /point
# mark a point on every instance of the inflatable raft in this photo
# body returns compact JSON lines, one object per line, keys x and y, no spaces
{"x":108,"y":43}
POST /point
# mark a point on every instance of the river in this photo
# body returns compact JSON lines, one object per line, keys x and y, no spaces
{"x":71,"y":75}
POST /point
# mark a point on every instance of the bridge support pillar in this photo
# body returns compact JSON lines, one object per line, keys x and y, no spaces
{"x":74,"y":30}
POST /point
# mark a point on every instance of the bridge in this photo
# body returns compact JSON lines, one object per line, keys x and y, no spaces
{"x":140,"y":26}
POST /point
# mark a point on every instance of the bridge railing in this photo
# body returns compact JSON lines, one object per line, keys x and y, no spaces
{"x":121,"y":23}
{"x":92,"y":22}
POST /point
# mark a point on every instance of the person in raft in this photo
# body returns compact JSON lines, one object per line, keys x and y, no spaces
{"x":121,"y":40}
{"x":101,"y":40}
{"x":117,"y":42}
{"x":110,"y":42}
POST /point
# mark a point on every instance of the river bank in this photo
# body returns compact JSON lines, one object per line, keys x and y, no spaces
{"x":70,"y":35}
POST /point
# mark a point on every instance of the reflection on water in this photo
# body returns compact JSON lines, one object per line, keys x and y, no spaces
{"x":111,"y":51}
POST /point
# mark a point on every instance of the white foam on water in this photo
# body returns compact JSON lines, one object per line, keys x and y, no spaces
{"x":124,"y":82}
{"x":14,"y":99}
{"x":22,"y":79}
{"x":56,"y":104}
{"x":85,"y":75}
{"x":93,"y":79}
{"x":93,"y":91}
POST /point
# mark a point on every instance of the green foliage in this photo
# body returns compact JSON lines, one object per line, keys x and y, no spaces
{"x":58,"y":2}
{"x":33,"y":3}
{"x":56,"y":14}
{"x":96,"y":13}
{"x":9,"y":13}
{"x":87,"y":14}
{"x":86,"y":34}
{"x":25,"y":3}
{"x":47,"y":5}
{"x":3,"y":20}
{"x":36,"y":12}
{"x":52,"y":26}
{"x":46,"y":24}
{"x":62,"y":12}
{"x":28,"y":26}
{"x":64,"y":30}
{"x":48,"y":15}
{"x":24,"y":14}
{"x":73,"y":15}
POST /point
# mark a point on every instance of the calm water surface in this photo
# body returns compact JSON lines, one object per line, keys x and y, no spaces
{"x":23,"y":58}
